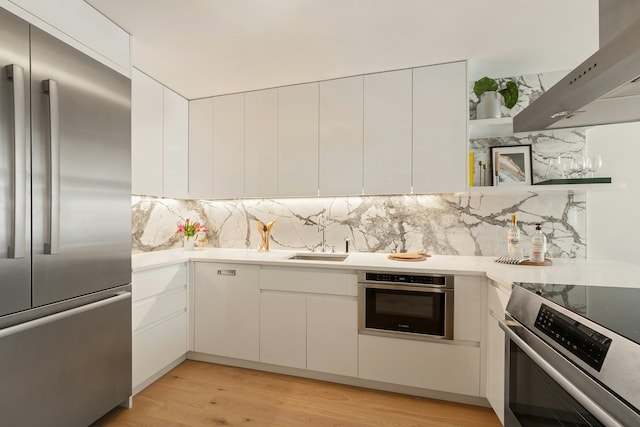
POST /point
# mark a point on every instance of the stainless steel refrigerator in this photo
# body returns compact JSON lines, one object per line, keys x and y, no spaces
{"x":65,"y":240}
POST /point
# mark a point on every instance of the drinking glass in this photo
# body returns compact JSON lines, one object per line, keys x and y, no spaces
{"x":593,"y":164}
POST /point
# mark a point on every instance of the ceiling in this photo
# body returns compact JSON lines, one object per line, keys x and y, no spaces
{"x":202,"y":48}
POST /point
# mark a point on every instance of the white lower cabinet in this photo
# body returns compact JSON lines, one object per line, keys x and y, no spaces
{"x":497,"y":301}
{"x":318,"y":333}
{"x":332,"y":335}
{"x":434,"y":366}
{"x":226,"y":310}
{"x":309,"y":319}
{"x":159,"y":322}
{"x":283,"y":329}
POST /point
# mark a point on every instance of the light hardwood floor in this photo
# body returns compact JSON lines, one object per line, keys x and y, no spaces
{"x":204,"y":394}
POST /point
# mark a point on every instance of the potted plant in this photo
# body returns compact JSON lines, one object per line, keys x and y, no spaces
{"x":487,"y":90}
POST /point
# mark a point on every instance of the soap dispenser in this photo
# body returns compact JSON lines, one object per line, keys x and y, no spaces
{"x":538,"y":246}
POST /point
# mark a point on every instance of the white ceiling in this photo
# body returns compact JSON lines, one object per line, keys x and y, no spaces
{"x":201,"y":48}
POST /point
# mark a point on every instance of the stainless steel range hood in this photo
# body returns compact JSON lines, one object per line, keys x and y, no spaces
{"x":603,"y":89}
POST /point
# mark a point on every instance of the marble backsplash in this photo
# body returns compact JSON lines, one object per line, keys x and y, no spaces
{"x":440,"y":224}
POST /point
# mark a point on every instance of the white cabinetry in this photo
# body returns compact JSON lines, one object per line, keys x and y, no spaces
{"x":201,"y":148}
{"x":261,"y":143}
{"x":467,"y":311}
{"x":387,"y":132}
{"x":146,"y":134}
{"x":228,"y":146}
{"x":298,"y":140}
{"x":175,"y":145}
{"x":340,"y":127}
{"x":442,"y":367}
{"x":439,"y":128}
{"x":332,"y":334}
{"x":283,"y":329}
{"x":159,"y":322}
{"x":497,"y":298}
{"x":159,"y":139}
{"x":226,"y":310}
{"x":308,"y":319}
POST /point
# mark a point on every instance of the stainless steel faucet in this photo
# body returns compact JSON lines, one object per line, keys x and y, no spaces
{"x":322,"y":225}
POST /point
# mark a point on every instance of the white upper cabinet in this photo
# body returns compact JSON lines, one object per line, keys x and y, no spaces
{"x":387,"y":132}
{"x":201,"y":148}
{"x":146,"y":134}
{"x":261,"y":143}
{"x":159,"y":139}
{"x":340,"y":134}
{"x":298,"y":140}
{"x":439,"y":128}
{"x":176,"y":146}
{"x":228,"y":146}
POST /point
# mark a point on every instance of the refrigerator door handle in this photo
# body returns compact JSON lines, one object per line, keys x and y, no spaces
{"x":15,"y":73}
{"x":50,"y":87}
{"x":63,"y":314}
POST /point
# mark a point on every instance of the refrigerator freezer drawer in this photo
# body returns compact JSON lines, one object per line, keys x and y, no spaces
{"x":67,"y":369}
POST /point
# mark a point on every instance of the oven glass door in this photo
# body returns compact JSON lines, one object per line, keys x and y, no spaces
{"x":536,"y":400}
{"x":406,"y":310}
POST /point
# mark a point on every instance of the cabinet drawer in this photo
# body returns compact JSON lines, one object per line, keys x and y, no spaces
{"x":155,"y":348}
{"x":442,"y":367}
{"x":151,"y":310}
{"x":153,"y":282}
{"x":309,"y":280}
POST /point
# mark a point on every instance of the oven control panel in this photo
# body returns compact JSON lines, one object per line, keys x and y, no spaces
{"x":585,"y":343}
{"x":412,"y":279}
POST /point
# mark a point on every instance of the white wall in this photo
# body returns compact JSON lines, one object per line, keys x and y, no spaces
{"x":79,"y":25}
{"x":612,"y":216}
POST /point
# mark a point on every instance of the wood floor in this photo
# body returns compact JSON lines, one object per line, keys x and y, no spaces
{"x":204,"y":394}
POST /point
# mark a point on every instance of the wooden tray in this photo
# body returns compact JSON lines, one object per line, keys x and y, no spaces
{"x":545,"y":262}
{"x":409,"y":256}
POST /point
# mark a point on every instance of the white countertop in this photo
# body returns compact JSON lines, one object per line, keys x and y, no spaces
{"x":565,"y":271}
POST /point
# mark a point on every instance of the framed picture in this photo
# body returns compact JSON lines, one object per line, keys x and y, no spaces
{"x":511,"y":165}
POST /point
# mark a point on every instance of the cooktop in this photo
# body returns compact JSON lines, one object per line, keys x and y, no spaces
{"x":614,"y":308}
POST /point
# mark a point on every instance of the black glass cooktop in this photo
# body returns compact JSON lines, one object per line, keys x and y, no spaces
{"x":617,"y":309}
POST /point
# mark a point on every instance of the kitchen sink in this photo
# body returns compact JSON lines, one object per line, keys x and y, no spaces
{"x":319,"y":257}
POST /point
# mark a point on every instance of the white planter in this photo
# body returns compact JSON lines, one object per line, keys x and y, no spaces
{"x":489,"y":106}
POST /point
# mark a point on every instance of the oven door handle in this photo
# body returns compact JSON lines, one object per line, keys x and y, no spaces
{"x":573,"y":391}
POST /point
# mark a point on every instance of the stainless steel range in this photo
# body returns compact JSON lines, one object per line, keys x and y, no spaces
{"x":572,"y":356}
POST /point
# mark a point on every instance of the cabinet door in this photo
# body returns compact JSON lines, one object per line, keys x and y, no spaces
{"x":228,"y":146}
{"x":440,"y":110}
{"x":227,"y":307}
{"x":201,"y":149}
{"x":298,"y":140}
{"x":146,"y":134}
{"x":340,"y":132}
{"x":176,"y":146}
{"x":261,"y":143}
{"x":495,"y":366}
{"x":497,"y":299}
{"x":332,"y":335}
{"x":387,"y":133}
{"x":283,"y":329}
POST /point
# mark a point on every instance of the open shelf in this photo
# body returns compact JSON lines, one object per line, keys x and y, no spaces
{"x":485,"y":128}
{"x":539,"y":189}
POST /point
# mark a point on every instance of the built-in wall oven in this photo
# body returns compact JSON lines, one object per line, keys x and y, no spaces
{"x":417,"y":306}
{"x":572,"y":358}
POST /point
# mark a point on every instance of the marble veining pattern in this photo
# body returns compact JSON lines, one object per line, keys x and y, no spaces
{"x":440,"y":224}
